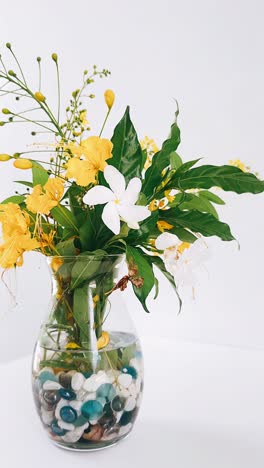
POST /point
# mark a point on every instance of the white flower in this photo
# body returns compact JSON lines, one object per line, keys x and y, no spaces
{"x":120,"y":201}
{"x":182,"y":261}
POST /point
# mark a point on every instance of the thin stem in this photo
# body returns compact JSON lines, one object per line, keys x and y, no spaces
{"x":35,"y":122}
{"x":105,"y":120}
{"x":39,"y":69}
{"x":18,"y":64}
{"x":59,"y":93}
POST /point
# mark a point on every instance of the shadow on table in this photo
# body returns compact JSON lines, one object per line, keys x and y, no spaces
{"x":154,"y":444}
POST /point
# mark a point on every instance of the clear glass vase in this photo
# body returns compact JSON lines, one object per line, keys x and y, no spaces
{"x":87,"y":372}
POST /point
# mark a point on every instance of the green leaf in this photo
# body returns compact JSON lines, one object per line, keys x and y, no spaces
{"x":88,"y":232}
{"x":186,"y":166}
{"x":175,"y":161}
{"x":66,"y":248}
{"x":64,"y":217}
{"x":161,"y":160}
{"x":204,"y":223}
{"x":183,"y":234}
{"x":146,"y":228}
{"x":158,"y":262}
{"x":39,"y":174}
{"x":229,"y":178}
{"x":23,"y":182}
{"x":211,"y":197}
{"x":128,"y":354}
{"x":194,"y":202}
{"x":136,"y":261}
{"x":86,"y":266}
{"x":127,"y":154}
{"x":18,"y":199}
{"x":81,"y":313}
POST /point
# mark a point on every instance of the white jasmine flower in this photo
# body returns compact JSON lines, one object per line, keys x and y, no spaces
{"x":120,"y":200}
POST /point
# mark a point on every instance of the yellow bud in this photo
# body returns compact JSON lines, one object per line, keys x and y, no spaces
{"x":72,"y":345}
{"x":163,"y":225}
{"x":103,"y":341}
{"x":6,"y":111}
{"x":153,"y":206}
{"x":4,"y":157}
{"x":109,"y":96}
{"x":54,"y":57}
{"x":39,"y":96}
{"x":23,"y":164}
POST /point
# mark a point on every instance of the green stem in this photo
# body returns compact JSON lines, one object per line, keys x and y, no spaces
{"x":105,"y":120}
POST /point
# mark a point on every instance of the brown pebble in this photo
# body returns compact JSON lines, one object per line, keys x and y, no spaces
{"x":95,"y":433}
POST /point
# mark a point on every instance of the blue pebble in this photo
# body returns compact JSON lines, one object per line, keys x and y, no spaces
{"x":46,"y":375}
{"x":92,"y":409}
{"x":106,"y":391}
{"x":67,"y":394}
{"x":80,"y":421}
{"x":87,"y":374}
{"x":68,"y":414}
{"x":56,"y":429}
{"x":130,"y":370}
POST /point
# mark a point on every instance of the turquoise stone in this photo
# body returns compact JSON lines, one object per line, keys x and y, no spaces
{"x":80,"y":421}
{"x":46,"y":375}
{"x":118,"y":403}
{"x":130,"y":370}
{"x":68,"y":414}
{"x":126,"y":418}
{"x":56,"y":429}
{"x":87,"y":374}
{"x":92,"y":409}
{"x":107,"y":391}
{"x":67,"y":394}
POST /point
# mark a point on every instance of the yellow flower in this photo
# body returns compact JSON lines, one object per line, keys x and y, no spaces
{"x":23,"y":163}
{"x":42,"y":200}
{"x":95,"y":152}
{"x":103,"y":341}
{"x":16,"y":235}
{"x":183,"y":246}
{"x":4,"y":157}
{"x":109,"y":96}
{"x":56,"y":263}
{"x":169,"y":197}
{"x":151,"y":148}
{"x":153,"y":206}
{"x":83,"y":118}
{"x":39,"y":96}
{"x":240,"y":165}
{"x":163,"y":226}
{"x":72,"y":345}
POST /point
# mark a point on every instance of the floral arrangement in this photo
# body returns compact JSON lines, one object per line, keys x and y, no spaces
{"x":94,"y":197}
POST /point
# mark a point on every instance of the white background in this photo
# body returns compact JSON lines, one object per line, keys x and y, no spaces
{"x":208,"y":55}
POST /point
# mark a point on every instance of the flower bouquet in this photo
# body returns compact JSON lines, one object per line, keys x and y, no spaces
{"x":106,"y":214}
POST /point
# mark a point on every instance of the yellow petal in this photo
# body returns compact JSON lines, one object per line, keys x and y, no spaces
{"x":103,"y":341}
{"x":23,"y":163}
{"x":72,"y":345}
{"x":54,"y":188}
{"x":183,"y":246}
{"x":163,"y":226}
{"x":109,"y":96}
{"x":4,"y":157}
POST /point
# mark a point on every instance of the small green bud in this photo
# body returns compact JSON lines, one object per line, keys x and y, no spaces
{"x":8,"y":45}
{"x":11,"y":73}
{"x":16,"y":155}
{"x":17,"y":98}
{"x":92,"y":96}
{"x":75,"y":93}
{"x":6,"y":111}
{"x":2,"y":124}
{"x":38,"y":59}
{"x":54,"y":57}
{"x":85,"y":72}
{"x":33,"y":133}
{"x":10,"y":119}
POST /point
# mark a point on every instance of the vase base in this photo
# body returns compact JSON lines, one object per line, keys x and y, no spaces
{"x":91,"y":448}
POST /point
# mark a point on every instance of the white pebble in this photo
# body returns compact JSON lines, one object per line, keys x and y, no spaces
{"x":125,"y":380}
{"x":50,"y":385}
{"x":125,"y":429}
{"x":72,"y":436}
{"x":76,"y":405}
{"x":130,"y":404}
{"x":123,"y":392}
{"x":47,"y":416}
{"x":138,"y":384}
{"x":134,"y":363}
{"x":90,"y":396}
{"x":133,"y":390}
{"x":118,"y":416}
{"x":67,"y":426}
{"x":81,"y":394}
{"x":77,"y":381}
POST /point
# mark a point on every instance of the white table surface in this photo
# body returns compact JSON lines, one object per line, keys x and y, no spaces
{"x":203,"y":407}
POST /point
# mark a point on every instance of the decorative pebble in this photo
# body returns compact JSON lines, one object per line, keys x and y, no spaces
{"x":81,"y":394}
{"x":106,"y":391}
{"x":123,"y":392}
{"x":139,"y":400}
{"x":125,"y":429}
{"x":101,"y":400}
{"x":80,"y":421}
{"x":45,"y":376}
{"x":47,"y":416}
{"x":77,"y":381}
{"x":138,"y":384}
{"x":46,"y":369}
{"x":89,"y":396}
{"x":130,"y":370}
{"x":51,"y":385}
{"x":67,"y":394}
{"x":56,"y":429}
{"x":51,"y":397}
{"x":92,"y":409}
{"x":65,"y":425}
{"x":133,"y":390}
{"x":95,"y":433}
{"x":59,"y":406}
{"x":76,"y":405}
{"x":72,"y":436}
{"x":134,"y":363}
{"x":94,"y":382}
{"x":125,"y":380}
{"x":65,"y":379}
{"x":130,"y":404}
{"x":68,"y":414}
{"x":118,"y":403}
{"x":126,"y":418}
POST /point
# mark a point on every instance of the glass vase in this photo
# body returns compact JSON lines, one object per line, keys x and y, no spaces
{"x":87,"y":372}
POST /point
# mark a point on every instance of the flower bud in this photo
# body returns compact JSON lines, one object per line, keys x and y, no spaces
{"x":2,"y":124}
{"x":109,"y":96}
{"x":8,"y":45}
{"x":11,"y":73}
{"x":54,"y":57}
{"x":4,"y":157}
{"x":16,"y":155}
{"x":39,"y":96}
{"x":38,"y":59}
{"x":6,"y":111}
{"x":23,"y":164}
